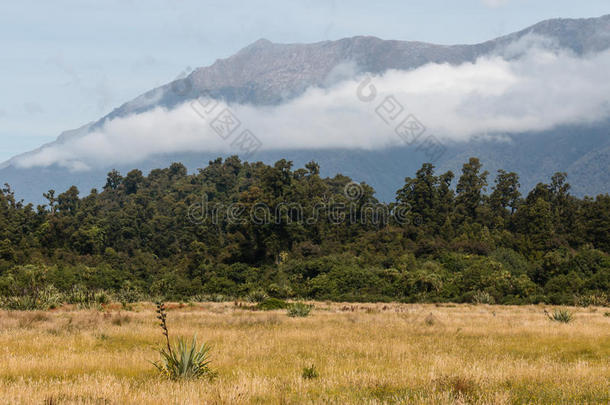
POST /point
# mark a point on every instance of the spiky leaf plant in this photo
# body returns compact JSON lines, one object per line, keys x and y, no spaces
{"x":560,"y":315}
{"x":299,"y":309}
{"x":184,"y":360}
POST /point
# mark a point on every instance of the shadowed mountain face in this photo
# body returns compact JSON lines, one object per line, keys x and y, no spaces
{"x":265,"y":73}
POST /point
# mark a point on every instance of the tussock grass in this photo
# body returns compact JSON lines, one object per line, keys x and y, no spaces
{"x":365,"y":355}
{"x":120,"y":319}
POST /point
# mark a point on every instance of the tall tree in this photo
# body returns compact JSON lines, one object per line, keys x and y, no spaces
{"x":470,"y":188}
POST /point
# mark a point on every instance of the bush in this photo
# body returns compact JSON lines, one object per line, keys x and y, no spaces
{"x":257,"y":296}
{"x":277,"y":291}
{"x":80,"y":295}
{"x":20,"y":303}
{"x":310,"y":372}
{"x":50,"y":298}
{"x":219,"y":298}
{"x":271,"y":304}
{"x":128,"y":294}
{"x":86,"y":298}
{"x":102,"y":297}
{"x":599,"y":300}
{"x":482,"y":297}
{"x":560,"y":315}
{"x":47,"y":298}
{"x":299,"y":309}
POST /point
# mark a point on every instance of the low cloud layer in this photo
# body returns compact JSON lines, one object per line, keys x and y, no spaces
{"x":537,"y":88}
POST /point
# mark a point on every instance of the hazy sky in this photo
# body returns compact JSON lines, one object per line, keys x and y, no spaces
{"x":66,"y":62}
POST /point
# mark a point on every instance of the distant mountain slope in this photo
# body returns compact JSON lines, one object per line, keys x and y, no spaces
{"x":265,"y":73}
{"x":268,"y":73}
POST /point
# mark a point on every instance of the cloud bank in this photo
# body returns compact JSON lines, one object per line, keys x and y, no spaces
{"x":535,"y":88}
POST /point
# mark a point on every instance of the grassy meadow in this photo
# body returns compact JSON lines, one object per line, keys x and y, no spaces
{"x":361,"y":353}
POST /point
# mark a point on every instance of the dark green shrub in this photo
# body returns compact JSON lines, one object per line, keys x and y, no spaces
{"x":280,"y":291}
{"x":310,"y":372}
{"x":272,"y":304}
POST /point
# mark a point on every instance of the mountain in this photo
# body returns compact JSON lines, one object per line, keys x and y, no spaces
{"x":268,"y":74}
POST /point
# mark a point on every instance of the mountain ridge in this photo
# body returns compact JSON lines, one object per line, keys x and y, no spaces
{"x":267,"y":73}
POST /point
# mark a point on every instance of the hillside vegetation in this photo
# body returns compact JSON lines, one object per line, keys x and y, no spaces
{"x":240,"y":229}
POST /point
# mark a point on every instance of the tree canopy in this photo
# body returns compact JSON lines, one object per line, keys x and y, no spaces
{"x":237,"y":227}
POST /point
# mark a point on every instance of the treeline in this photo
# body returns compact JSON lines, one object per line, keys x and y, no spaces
{"x":235,"y":229}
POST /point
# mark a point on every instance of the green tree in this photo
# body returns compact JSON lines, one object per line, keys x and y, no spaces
{"x":470,"y":188}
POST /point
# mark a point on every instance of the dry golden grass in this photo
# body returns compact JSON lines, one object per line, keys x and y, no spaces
{"x":364,"y":353}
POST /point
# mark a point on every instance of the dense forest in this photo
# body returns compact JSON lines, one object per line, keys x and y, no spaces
{"x":238,"y":229}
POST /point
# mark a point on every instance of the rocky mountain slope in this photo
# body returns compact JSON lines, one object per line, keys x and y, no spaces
{"x":265,"y":73}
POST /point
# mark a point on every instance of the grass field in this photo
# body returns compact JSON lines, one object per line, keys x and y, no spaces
{"x":364,"y":353}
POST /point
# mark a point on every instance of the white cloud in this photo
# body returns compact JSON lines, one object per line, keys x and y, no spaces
{"x":537,"y":89}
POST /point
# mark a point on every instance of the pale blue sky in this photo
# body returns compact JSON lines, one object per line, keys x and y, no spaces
{"x":66,"y":62}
